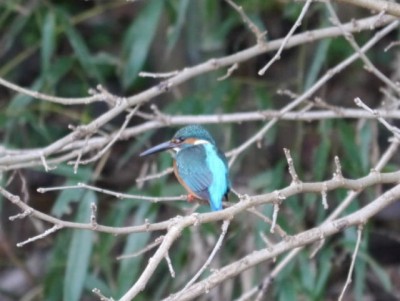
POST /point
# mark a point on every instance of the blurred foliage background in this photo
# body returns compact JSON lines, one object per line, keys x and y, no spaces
{"x":65,"y":48}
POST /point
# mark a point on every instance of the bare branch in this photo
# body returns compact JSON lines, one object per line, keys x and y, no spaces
{"x":277,"y":56}
{"x":53,"y":229}
{"x":296,"y":241}
{"x":155,"y":176}
{"x":98,"y":293}
{"x":353,"y":260}
{"x":118,"y":195}
{"x":158,"y":75}
{"x":229,"y":72}
{"x":217,"y":246}
{"x":185,"y":75}
{"x":170,"y":267}
{"x":395,"y":130}
{"x":42,"y":96}
{"x":274,"y":217}
{"x":386,"y":6}
{"x":292,"y":170}
{"x":144,"y":250}
{"x":235,"y":152}
{"x":260,"y":36}
{"x":389,"y":153}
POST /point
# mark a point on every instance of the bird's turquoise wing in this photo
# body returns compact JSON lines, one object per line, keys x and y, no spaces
{"x":204,"y":170}
{"x":192,"y":167}
{"x":220,"y":185}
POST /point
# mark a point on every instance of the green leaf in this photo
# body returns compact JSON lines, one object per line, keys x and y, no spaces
{"x":104,"y":58}
{"x":324,"y":270}
{"x":138,"y":39}
{"x":360,"y":276}
{"x":307,"y":273}
{"x":20,"y":101}
{"x":53,"y":281}
{"x":58,"y":69}
{"x":79,"y":252}
{"x":351,"y":160}
{"x":380,"y":273}
{"x":173,"y":35}
{"x":319,"y":57}
{"x":63,"y":202}
{"x":116,"y":217}
{"x":48,"y":40}
{"x":287,"y":291}
{"x":68,"y":196}
{"x":129,"y":268}
{"x":322,"y":152}
{"x":80,"y":48}
{"x":94,"y":281}
{"x":366,"y":141}
{"x":11,"y":34}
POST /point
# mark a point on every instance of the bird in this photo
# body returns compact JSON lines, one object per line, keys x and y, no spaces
{"x":200,"y":167}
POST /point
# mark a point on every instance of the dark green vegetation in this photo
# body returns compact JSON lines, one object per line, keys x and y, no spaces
{"x":65,"y":48}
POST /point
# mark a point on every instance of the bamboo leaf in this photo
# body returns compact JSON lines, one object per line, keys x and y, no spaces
{"x":138,"y":39}
{"x":81,"y":49}
{"x":48,"y":40}
{"x":79,"y":252}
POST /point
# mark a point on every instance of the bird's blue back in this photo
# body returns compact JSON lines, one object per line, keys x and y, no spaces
{"x":204,"y":170}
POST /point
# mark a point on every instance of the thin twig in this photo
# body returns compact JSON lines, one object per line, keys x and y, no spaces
{"x":350,"y":38}
{"x":388,"y":154}
{"x":328,"y":75}
{"x":99,"y":294}
{"x":260,"y":36}
{"x":118,"y":195}
{"x":114,"y":138}
{"x":154,"y":244}
{"x":93,"y":126}
{"x":277,"y":55}
{"x":155,"y":176}
{"x":229,"y":72}
{"x":217,"y":246}
{"x":159,"y":74}
{"x":394,"y":130}
{"x":170,"y":267}
{"x":46,"y":233}
{"x":292,"y":170}
{"x":353,"y":260}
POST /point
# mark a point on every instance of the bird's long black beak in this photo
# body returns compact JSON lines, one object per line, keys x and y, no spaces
{"x":159,"y":148}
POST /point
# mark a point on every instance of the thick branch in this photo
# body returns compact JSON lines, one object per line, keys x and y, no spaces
{"x":390,"y":8}
{"x":186,"y":74}
{"x":301,"y":239}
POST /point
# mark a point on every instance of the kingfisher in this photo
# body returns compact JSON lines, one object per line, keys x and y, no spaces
{"x":199,"y":165}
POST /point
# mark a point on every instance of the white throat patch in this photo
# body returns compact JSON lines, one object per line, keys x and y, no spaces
{"x":201,"y":141}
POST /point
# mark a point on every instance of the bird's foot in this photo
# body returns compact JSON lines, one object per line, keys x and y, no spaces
{"x":191,"y":198}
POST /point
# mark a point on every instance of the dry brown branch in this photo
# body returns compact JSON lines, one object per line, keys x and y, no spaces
{"x":31,"y":158}
{"x":277,"y":56}
{"x":118,"y":195}
{"x":316,"y":187}
{"x":301,"y":239}
{"x":328,"y":75}
{"x":353,"y":260}
{"x":84,"y":145}
{"x":388,"y":7}
{"x":78,"y":146}
{"x":387,"y":155}
{"x":260,"y":36}
{"x":175,"y":226}
{"x":368,"y":64}
{"x":224,"y":228}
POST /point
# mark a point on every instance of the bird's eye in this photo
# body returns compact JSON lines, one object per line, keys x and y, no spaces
{"x":178,"y":140}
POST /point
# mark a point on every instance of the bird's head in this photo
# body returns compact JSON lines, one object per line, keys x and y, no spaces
{"x":188,"y":136}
